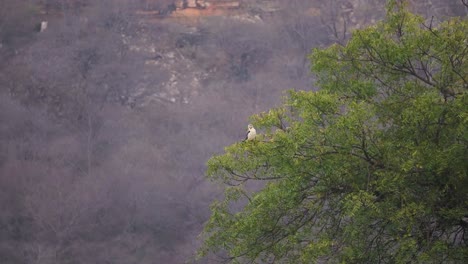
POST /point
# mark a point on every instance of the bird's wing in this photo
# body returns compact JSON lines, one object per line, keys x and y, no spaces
{"x":247,"y":135}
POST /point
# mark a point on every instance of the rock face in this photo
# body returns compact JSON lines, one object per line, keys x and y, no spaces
{"x":355,"y":9}
{"x":201,"y":4}
{"x":185,"y":77}
{"x":213,"y":4}
{"x":192,"y":3}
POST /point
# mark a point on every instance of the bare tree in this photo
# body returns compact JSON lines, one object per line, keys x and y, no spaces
{"x":17,"y":26}
{"x":246,"y":46}
{"x":300,"y":28}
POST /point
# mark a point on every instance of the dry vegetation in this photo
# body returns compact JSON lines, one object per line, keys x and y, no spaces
{"x":96,"y":169}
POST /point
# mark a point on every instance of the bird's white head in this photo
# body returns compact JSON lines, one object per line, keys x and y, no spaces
{"x":250,"y":126}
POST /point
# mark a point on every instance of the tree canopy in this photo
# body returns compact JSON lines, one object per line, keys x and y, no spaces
{"x":372,"y":168}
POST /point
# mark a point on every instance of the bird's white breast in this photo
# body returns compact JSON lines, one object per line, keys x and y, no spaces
{"x":252,"y":134}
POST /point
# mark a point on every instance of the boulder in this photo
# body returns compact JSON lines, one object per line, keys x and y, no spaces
{"x":191,"y":3}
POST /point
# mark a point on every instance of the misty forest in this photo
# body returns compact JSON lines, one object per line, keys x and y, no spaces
{"x":123,"y":127}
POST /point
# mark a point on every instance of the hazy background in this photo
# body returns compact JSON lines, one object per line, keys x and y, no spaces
{"x":108,"y":116}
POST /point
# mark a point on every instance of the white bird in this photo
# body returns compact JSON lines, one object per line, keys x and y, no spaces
{"x":251,"y":133}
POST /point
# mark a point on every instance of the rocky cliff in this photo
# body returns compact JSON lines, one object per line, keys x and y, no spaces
{"x":313,"y":18}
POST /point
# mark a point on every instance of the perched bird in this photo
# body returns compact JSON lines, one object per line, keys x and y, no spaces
{"x":251,"y":133}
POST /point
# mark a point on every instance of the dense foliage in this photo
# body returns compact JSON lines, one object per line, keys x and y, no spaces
{"x":372,"y":168}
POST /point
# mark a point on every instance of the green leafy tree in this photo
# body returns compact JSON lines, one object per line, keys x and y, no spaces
{"x":373,"y":168}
